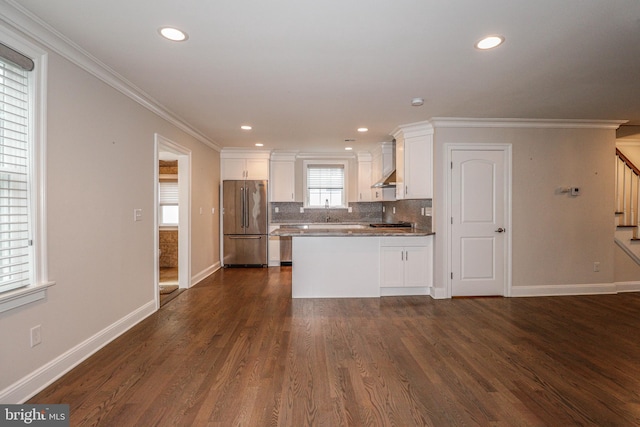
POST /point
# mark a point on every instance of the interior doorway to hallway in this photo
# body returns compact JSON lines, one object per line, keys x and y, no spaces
{"x":172,"y":219}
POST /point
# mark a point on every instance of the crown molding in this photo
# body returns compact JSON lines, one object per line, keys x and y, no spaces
{"x":16,"y":16}
{"x":244,"y":153}
{"x":455,"y":122}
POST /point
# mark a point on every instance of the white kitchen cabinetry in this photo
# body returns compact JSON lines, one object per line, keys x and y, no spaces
{"x":364,"y":177}
{"x":282,"y":183}
{"x":406,"y":262}
{"x":244,"y":165}
{"x":414,"y":161}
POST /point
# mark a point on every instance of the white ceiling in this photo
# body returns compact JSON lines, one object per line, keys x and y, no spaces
{"x":306,"y":74}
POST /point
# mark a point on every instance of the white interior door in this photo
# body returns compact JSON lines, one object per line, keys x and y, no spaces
{"x":478,"y":222}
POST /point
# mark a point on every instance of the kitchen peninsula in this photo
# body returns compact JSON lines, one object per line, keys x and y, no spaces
{"x":355,"y":260}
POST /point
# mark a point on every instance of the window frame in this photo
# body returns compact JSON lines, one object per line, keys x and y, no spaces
{"x":326,"y":162}
{"x":36,"y":290}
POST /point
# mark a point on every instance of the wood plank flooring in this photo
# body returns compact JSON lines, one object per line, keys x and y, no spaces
{"x":237,"y":350}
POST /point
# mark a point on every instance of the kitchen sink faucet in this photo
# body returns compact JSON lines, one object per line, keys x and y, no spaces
{"x":326,"y":206}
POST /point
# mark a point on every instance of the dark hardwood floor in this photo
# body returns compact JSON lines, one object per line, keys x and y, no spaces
{"x":236,"y":350}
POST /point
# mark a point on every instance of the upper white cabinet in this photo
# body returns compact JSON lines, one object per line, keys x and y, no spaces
{"x":414,"y":161}
{"x":364,"y":177}
{"x":282,"y":182}
{"x":239,"y":164}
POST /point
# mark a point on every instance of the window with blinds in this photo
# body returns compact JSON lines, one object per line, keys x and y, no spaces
{"x":325,"y":186}
{"x":15,"y":210}
{"x":168,"y":201}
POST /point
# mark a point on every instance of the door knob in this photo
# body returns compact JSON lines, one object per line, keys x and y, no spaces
{"x":500,"y":230}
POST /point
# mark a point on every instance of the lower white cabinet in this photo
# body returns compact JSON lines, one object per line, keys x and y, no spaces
{"x":405,"y":264}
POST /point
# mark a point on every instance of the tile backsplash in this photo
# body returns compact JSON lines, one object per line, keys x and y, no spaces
{"x":367,"y":212}
{"x":290,"y":212}
{"x":409,"y":211}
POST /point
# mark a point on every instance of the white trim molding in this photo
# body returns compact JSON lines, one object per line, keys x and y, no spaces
{"x":455,"y":122}
{"x":579,"y":289}
{"x":627,"y":287}
{"x":199,"y":277}
{"x":28,"y":386}
{"x":22,"y":296}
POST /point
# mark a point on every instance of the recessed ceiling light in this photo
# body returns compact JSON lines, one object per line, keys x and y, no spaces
{"x":245,"y":127}
{"x":416,"y":102}
{"x":173,"y":34}
{"x":348,"y":148}
{"x":259,"y":144}
{"x":362,"y":129}
{"x":489,"y":42}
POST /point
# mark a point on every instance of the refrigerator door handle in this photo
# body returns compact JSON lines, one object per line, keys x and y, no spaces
{"x":246,"y":207}
{"x":245,"y":237}
{"x":242,"y":206}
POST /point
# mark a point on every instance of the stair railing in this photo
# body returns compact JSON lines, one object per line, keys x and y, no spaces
{"x":627,"y":191}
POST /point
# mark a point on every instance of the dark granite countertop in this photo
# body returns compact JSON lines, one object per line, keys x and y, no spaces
{"x":344,"y":230}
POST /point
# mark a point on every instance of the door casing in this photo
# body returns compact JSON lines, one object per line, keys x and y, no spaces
{"x":184,"y":196}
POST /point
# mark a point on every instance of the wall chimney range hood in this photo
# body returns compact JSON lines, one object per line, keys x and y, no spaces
{"x":387,"y":181}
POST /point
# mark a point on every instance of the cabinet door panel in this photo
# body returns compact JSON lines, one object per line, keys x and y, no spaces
{"x":417,"y":266}
{"x":391,"y":267}
{"x":258,"y":169}
{"x":364,"y":181}
{"x":417,"y":164}
{"x":233,"y":168}
{"x":282,"y":181}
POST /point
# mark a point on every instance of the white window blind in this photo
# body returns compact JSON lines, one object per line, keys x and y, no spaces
{"x":15,"y":218}
{"x":168,"y":200}
{"x":325,"y":185}
{"x":168,"y":192}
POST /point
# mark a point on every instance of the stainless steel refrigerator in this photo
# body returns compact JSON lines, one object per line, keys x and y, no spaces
{"x":244,"y":223}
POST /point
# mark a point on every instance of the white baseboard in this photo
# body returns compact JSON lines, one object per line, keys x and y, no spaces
{"x":628,"y":286}
{"x":31,"y":384}
{"x":438,"y":293}
{"x":199,"y":277}
{"x":558,"y":290}
{"x":400,"y":292}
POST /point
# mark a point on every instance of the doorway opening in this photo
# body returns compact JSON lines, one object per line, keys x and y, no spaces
{"x":172,"y":206}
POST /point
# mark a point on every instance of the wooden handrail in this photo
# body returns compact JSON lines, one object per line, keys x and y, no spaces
{"x":628,"y":162}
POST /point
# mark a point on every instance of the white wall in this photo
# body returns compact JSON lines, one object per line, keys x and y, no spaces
{"x":100,"y":167}
{"x":556,"y":238}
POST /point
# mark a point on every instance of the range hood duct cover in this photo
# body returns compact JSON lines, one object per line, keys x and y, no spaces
{"x":387,"y":181}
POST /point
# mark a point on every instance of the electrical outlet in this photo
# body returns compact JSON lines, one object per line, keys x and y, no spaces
{"x":422,"y":211}
{"x":301,"y":210}
{"x":36,"y":335}
{"x":394,"y":209}
{"x":276,"y":209}
{"x":137,"y":215}
{"x":349,"y":209}
{"x":596,"y":266}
